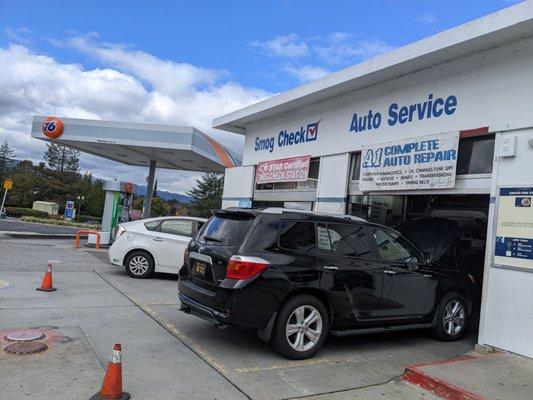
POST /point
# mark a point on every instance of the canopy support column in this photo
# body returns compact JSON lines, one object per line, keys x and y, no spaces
{"x":149,"y":190}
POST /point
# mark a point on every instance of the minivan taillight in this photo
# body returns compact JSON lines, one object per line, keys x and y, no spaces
{"x":243,"y":267}
{"x":120,"y":231}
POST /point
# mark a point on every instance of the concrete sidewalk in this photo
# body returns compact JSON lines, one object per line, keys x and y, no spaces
{"x":474,"y":376}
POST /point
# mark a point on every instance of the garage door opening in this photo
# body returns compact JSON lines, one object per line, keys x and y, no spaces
{"x":451,"y":227}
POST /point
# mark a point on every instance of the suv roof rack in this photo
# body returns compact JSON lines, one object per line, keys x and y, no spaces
{"x":280,"y":210}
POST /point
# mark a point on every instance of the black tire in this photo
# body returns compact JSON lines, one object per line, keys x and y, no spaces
{"x":282,"y":343}
{"x":139,"y":264}
{"x":447,"y":330}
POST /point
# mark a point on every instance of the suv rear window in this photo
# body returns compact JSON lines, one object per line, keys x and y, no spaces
{"x":297,"y":235}
{"x":225,"y":230}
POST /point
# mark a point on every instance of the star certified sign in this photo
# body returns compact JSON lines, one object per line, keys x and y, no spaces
{"x":52,"y":127}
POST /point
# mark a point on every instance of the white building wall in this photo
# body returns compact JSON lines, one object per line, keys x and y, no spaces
{"x":333,"y":183}
{"x":238,"y":187}
{"x":493,"y":88}
{"x":507,"y":307}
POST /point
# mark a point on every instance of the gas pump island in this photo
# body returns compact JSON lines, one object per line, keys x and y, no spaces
{"x":117,"y":206}
{"x":182,"y":148}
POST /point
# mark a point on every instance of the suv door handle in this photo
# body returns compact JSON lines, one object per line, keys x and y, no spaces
{"x":390,"y":272}
{"x":331,"y":267}
{"x":158,"y":239}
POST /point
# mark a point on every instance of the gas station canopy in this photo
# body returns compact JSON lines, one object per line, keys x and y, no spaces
{"x":172,"y":147}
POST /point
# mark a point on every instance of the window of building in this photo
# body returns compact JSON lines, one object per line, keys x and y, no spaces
{"x":355,"y":166}
{"x":180,"y":227}
{"x":297,"y":235}
{"x":475,"y":155}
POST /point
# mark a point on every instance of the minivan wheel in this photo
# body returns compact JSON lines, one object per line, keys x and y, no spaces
{"x":451,"y":319}
{"x":301,"y":327}
{"x":139,"y":264}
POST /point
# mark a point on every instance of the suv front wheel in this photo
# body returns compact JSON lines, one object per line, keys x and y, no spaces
{"x":301,"y":327}
{"x":451,"y":317}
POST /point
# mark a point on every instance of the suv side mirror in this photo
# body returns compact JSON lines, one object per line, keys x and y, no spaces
{"x":412,"y":264}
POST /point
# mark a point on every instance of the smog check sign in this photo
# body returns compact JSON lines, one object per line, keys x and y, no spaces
{"x":293,"y":169}
{"x":427,"y":162}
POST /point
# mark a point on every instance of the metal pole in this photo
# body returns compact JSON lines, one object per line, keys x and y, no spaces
{"x":3,"y":201}
{"x":149,"y":190}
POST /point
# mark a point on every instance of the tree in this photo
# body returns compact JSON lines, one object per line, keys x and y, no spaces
{"x":6,"y":153}
{"x":61,"y":158}
{"x":207,"y":194}
{"x":27,"y":184}
{"x":159,"y":208}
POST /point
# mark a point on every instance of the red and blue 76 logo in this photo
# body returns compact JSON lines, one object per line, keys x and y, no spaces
{"x":312,"y":131}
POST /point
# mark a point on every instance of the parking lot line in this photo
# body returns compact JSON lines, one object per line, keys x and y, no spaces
{"x":289,"y":364}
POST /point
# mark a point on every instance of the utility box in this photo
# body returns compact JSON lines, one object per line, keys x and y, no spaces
{"x":47,"y":207}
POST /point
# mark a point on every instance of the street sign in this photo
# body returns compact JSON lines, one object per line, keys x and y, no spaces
{"x":69,"y":210}
{"x":8,"y":184}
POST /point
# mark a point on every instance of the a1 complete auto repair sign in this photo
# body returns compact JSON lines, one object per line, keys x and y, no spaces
{"x":427,"y":162}
{"x":286,"y":170}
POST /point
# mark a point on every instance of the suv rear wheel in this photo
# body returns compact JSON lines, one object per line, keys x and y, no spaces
{"x":301,"y":327}
{"x":451,"y":317}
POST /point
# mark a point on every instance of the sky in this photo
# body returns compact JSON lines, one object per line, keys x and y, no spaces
{"x":188,"y":62}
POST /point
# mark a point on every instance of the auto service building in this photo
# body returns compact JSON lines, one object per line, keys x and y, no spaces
{"x":442,"y":127}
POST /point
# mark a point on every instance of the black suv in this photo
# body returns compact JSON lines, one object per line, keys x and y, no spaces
{"x":295,"y":276}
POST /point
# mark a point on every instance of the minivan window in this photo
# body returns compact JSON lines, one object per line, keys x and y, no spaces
{"x":225,"y":230}
{"x":181,"y":227}
{"x":297,"y":235}
{"x":351,"y":240}
{"x":152,"y":225}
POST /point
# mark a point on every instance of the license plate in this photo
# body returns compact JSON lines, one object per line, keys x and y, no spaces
{"x":199,"y":268}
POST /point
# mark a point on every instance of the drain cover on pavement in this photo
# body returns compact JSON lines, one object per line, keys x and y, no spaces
{"x":24,"y":335}
{"x":24,"y":348}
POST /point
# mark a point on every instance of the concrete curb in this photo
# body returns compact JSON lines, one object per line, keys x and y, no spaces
{"x":446,"y":390}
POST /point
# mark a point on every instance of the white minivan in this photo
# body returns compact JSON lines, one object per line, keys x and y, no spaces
{"x":153,"y":245}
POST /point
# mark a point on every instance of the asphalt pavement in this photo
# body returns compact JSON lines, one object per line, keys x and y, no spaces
{"x":15,"y":225}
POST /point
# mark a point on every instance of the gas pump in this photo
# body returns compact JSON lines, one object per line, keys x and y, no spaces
{"x":117,"y":205}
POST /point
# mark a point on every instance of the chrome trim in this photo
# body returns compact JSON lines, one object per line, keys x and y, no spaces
{"x":201,"y":257}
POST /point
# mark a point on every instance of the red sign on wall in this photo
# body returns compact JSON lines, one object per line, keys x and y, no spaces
{"x":286,"y":170}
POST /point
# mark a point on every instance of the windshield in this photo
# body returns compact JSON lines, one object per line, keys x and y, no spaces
{"x":226,"y":230}
{"x":432,"y":235}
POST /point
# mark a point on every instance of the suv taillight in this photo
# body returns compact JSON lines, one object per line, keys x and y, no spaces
{"x":243,"y":267}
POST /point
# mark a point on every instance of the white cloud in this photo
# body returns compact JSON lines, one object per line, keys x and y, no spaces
{"x":19,"y":35}
{"x":342,"y":48}
{"x":283,"y":46}
{"x":306,"y":73}
{"x":134,"y":86}
{"x":337,"y":48}
{"x":163,"y":75}
{"x":428,"y":19}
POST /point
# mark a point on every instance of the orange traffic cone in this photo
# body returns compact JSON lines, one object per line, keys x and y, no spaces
{"x":112,"y":385}
{"x":46,"y":285}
